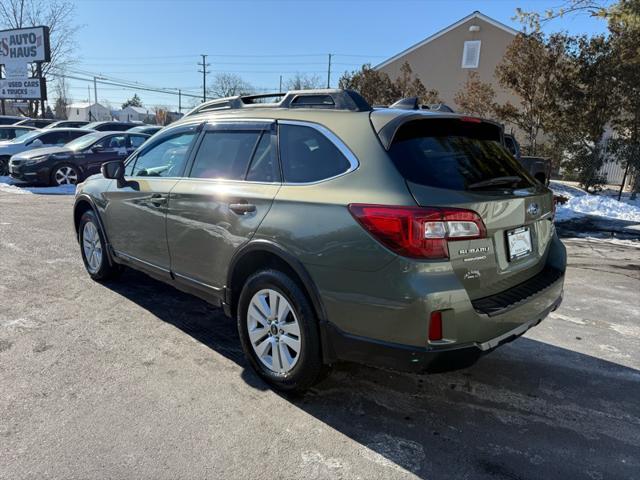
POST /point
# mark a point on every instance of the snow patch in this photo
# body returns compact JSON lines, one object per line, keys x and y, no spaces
{"x":9,"y":185}
{"x":580,"y":203}
{"x":599,"y":206}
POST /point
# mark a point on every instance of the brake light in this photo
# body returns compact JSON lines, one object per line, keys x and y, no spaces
{"x":471,"y":119}
{"x":418,"y":232}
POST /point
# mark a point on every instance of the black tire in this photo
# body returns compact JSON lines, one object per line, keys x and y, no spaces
{"x":105,"y":270}
{"x":308,"y":369}
{"x":56,"y":168}
{"x":4,"y":166}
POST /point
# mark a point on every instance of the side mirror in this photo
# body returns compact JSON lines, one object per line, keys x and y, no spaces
{"x":35,"y":143}
{"x":97,"y":148}
{"x":114,"y":170}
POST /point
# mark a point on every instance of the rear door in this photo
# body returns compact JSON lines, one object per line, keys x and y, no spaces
{"x":111,"y":147}
{"x":230,"y":187}
{"x":461,"y":162}
{"x":136,"y":212}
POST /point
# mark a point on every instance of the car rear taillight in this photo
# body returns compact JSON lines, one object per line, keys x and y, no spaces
{"x":418,"y":232}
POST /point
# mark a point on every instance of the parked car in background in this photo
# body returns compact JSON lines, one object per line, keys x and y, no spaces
{"x":9,"y":132}
{"x":36,"y":122}
{"x":111,"y":126}
{"x":538,"y":167}
{"x":332,"y":231}
{"x":9,"y":119}
{"x":146,"y":129}
{"x":66,"y":124}
{"x":74,"y":161}
{"x":37,"y":139}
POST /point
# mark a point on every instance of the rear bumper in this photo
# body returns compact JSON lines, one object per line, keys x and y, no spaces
{"x":346,"y":347}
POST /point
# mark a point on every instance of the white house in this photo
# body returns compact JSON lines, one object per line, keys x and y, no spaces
{"x":137,"y":114}
{"x":88,"y":112}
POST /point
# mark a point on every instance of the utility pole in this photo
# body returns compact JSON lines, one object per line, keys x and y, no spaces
{"x":95,"y":91}
{"x":329,"y":73}
{"x":179,"y":101}
{"x":204,"y":72}
{"x":280,"y":89}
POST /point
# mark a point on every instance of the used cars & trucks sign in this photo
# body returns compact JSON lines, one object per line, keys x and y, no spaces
{"x":23,"y":88}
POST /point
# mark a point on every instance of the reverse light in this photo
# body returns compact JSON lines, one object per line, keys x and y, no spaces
{"x":418,"y":232}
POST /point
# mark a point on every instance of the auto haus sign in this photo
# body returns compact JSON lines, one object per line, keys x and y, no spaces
{"x":24,"y":46}
{"x":20,"y":48}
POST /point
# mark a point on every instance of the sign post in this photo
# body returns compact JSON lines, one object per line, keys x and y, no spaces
{"x":18,"y":49}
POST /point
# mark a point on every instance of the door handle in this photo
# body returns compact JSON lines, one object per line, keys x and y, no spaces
{"x":158,"y":200}
{"x":242,"y":208}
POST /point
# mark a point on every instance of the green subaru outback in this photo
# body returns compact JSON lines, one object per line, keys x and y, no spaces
{"x":332,"y":231}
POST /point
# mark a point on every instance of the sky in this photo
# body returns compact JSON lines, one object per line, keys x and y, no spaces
{"x":159,"y":42}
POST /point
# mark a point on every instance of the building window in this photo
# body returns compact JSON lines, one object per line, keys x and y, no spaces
{"x":471,"y":54}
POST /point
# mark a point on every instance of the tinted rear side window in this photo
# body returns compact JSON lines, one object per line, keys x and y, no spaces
{"x":453,"y":154}
{"x":224,"y":154}
{"x":308,"y":156}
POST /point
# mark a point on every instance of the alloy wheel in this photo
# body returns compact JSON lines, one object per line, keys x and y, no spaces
{"x":274,"y":331}
{"x":92,"y":247}
{"x":66,"y":176}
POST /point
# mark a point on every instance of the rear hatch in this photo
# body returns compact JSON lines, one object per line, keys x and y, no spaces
{"x":460,"y":162}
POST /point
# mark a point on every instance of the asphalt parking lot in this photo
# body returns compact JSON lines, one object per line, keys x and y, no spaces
{"x":136,"y":380}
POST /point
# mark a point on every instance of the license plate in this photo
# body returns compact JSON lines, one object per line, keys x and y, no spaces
{"x":519,"y":241}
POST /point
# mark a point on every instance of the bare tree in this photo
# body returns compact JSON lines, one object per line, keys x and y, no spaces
{"x":303,"y":81}
{"x":62,"y":98}
{"x":58,"y":15}
{"x":228,"y":85}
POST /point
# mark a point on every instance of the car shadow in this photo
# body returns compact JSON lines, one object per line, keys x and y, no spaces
{"x":599,"y":227}
{"x":529,"y":410}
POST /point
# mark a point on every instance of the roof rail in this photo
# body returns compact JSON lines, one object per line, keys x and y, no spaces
{"x":411,"y":103}
{"x":332,"y":99}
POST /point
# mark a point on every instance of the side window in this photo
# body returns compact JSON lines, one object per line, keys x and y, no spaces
{"x":264,"y":167}
{"x":73,"y":136}
{"x":115,"y":142}
{"x":136,"y":140}
{"x":308,"y":156}
{"x":55,"y":138}
{"x":224,"y":154}
{"x":163,"y":159}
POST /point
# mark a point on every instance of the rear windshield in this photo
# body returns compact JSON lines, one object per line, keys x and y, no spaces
{"x":455,"y":154}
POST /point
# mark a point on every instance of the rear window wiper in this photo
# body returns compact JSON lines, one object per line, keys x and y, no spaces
{"x":494,"y":182}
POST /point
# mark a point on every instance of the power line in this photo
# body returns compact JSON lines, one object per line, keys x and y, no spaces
{"x":124,"y":85}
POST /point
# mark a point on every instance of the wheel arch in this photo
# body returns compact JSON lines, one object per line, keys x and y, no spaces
{"x":263,"y":253}
{"x":83,"y":204}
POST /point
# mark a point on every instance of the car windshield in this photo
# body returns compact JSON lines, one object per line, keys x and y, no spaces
{"x":27,"y":137}
{"x":84,"y":141}
{"x":93,"y":124}
{"x":456,"y":155}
